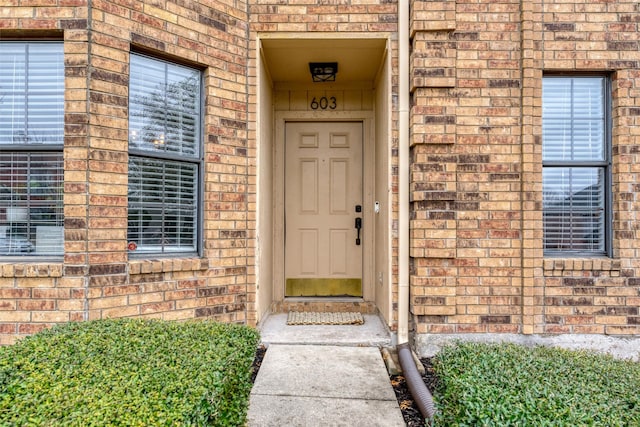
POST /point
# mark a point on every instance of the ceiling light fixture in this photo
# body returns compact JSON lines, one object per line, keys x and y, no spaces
{"x":323,"y":71}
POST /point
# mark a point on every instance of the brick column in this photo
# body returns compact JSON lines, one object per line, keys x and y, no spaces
{"x":532,"y":229}
{"x":433,"y":180}
{"x":107,"y":167}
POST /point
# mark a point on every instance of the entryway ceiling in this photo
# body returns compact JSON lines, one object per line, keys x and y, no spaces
{"x":358,"y":59}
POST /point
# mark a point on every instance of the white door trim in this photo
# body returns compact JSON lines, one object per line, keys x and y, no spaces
{"x":368,"y":159}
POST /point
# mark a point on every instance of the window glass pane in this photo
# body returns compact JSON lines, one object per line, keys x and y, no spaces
{"x":31,"y":211}
{"x":574,"y":209}
{"x":164,"y":107}
{"x":31,"y":93}
{"x":162,"y":205}
{"x":573,"y":119}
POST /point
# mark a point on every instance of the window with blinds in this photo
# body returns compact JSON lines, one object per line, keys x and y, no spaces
{"x":576,"y":156}
{"x":164,"y":157}
{"x":31,"y":143}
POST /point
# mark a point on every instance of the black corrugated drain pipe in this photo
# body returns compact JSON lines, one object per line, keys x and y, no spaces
{"x":418,"y":389}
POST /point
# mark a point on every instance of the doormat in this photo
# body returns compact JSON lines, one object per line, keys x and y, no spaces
{"x":315,"y":318}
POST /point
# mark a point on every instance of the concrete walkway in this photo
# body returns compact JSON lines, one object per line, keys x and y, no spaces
{"x":330,"y":376}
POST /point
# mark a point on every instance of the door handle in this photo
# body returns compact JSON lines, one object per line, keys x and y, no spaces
{"x":358,"y":227}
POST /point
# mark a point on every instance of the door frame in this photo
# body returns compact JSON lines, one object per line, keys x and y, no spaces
{"x":368,"y":175}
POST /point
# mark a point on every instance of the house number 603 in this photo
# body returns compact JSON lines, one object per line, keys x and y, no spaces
{"x":324,"y":103}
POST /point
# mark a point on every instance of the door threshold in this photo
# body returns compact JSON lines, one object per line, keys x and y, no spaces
{"x":324,"y":299}
{"x":324,"y":304}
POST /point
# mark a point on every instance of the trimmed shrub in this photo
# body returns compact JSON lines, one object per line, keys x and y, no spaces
{"x":129,"y":372}
{"x":511,"y":385}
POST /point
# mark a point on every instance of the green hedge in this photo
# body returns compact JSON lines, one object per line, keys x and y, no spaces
{"x":510,"y":385}
{"x":128,"y":373}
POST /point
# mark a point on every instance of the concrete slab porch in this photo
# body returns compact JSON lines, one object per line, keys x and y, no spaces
{"x":274,"y":330}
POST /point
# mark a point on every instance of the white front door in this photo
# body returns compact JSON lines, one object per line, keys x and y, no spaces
{"x":323,"y":201}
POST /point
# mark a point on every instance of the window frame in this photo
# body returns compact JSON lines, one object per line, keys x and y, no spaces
{"x":605,"y":165}
{"x":30,"y":148}
{"x":165,"y":156}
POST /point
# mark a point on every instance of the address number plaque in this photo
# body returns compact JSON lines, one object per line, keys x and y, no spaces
{"x":324,"y":103}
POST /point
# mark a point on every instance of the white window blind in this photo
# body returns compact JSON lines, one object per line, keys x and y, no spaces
{"x":31,"y":142}
{"x":575,"y":165}
{"x":164,"y":161}
{"x":31,"y":93}
{"x":162,"y":205}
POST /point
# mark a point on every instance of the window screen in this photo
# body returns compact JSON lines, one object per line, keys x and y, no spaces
{"x":164,"y":161}
{"x":31,"y":142}
{"x":575,"y":165}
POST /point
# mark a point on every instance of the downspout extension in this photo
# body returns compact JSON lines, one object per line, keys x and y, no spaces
{"x":417,"y":388}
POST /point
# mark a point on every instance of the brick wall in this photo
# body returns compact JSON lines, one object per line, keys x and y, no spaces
{"x":329,"y":17}
{"x":96,"y":279}
{"x":212,"y":37}
{"x":476,"y":174}
{"x":587,"y":295}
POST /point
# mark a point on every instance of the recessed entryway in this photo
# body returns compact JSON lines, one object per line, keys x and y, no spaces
{"x":323,"y":153}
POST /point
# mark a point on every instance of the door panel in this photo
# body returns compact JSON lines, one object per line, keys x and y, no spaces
{"x":323,"y":185}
